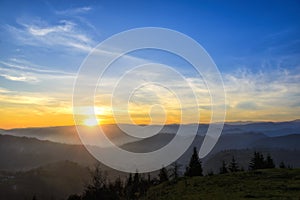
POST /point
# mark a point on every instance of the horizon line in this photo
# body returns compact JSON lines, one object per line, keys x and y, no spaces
{"x":169,"y":124}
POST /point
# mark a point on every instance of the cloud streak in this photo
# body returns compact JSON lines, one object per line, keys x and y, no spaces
{"x":74,"y":11}
{"x":65,"y":34}
{"x":24,"y":65}
{"x":265,"y":95}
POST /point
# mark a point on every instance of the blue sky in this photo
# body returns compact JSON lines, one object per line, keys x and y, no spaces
{"x":233,"y":32}
{"x":255,"y":44}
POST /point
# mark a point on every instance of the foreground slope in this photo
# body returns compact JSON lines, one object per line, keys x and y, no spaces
{"x":261,"y":184}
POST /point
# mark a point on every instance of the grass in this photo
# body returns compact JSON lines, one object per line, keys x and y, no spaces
{"x":261,"y":184}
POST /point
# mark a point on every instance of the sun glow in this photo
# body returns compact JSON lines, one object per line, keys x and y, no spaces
{"x":91,"y":122}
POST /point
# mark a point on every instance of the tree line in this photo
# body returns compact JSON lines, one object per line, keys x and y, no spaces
{"x":136,"y":185}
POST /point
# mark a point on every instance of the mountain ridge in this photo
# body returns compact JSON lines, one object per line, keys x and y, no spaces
{"x":69,"y":135}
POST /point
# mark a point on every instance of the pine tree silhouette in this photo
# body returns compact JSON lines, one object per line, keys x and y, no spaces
{"x":175,"y":171}
{"x":233,"y":166}
{"x":163,"y":175}
{"x":223,"y":169}
{"x":258,"y":162}
{"x":195,"y":167}
{"x":269,"y":162}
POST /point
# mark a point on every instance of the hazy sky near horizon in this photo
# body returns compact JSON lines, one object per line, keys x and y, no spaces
{"x":255,"y":45}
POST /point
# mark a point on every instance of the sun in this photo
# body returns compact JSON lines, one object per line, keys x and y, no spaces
{"x":91,"y":122}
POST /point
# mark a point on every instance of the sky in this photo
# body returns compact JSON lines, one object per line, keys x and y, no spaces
{"x":255,"y":45}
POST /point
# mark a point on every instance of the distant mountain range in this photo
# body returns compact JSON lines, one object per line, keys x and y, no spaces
{"x":33,"y":147}
{"x":21,"y":153}
{"x":68,"y":134}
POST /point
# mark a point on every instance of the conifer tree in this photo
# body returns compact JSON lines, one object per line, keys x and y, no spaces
{"x":269,"y":162}
{"x":223,"y":169}
{"x":163,"y":175}
{"x":194,"y":168}
{"x":233,"y":166}
{"x":257,"y":162}
{"x":175,"y":171}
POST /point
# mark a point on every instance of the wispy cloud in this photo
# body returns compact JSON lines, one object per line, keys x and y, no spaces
{"x":4,"y":91}
{"x":25,"y":71}
{"x":64,"y":33}
{"x":27,"y":66}
{"x":264,"y":95}
{"x":78,"y":14}
{"x":74,"y":11}
{"x":45,"y":103}
{"x":22,"y":78}
{"x":29,"y":98}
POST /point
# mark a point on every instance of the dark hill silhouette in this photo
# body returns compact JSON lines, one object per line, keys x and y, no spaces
{"x":52,"y":181}
{"x":21,"y":153}
{"x":282,"y":142}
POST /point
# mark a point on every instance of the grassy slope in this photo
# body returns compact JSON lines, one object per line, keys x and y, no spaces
{"x":262,"y":184}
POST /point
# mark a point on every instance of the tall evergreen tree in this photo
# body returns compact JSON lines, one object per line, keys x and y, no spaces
{"x":129,"y":180}
{"x":144,"y":184}
{"x":136,"y":179}
{"x":233,"y":166}
{"x":129,"y":187}
{"x":194,"y":168}
{"x":269,"y":162}
{"x":223,"y":169}
{"x":149,"y":178}
{"x":132,"y":186}
{"x":175,"y":170}
{"x":163,"y":175}
{"x":257,"y":162}
{"x":135,"y":190}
